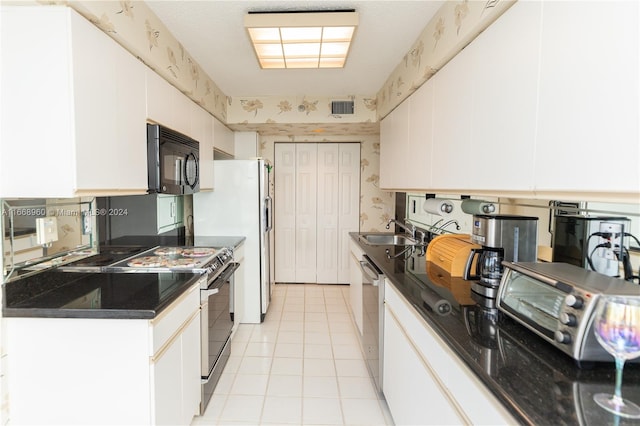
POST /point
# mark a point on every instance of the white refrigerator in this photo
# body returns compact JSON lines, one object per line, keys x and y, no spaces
{"x":240,"y":205}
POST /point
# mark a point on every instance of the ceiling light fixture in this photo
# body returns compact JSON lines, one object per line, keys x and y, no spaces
{"x":316,"y":39}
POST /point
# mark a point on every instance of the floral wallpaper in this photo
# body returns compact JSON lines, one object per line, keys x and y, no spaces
{"x":272,"y":110}
{"x":376,"y":206}
{"x":455,"y":25}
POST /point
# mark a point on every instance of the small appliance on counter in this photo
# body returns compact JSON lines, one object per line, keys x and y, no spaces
{"x":557,"y":302}
{"x":502,"y":237}
{"x":582,"y":241}
{"x":450,"y":252}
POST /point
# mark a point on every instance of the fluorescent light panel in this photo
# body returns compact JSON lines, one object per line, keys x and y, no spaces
{"x":301,"y":40}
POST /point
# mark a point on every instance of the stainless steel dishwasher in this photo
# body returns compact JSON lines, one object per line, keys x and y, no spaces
{"x":373,"y":318}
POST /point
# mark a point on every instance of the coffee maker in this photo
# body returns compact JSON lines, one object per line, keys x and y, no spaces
{"x":502,"y":237}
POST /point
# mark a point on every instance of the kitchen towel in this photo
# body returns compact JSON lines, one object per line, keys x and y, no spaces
{"x":438,"y":206}
{"x":470,"y":206}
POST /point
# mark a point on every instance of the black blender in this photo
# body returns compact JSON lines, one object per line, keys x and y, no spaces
{"x":502,"y":237}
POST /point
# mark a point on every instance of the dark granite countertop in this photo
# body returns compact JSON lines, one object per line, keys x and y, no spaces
{"x":537,"y":383}
{"x":57,"y":294}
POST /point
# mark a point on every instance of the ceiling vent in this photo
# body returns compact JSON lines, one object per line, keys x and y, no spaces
{"x":342,"y":107}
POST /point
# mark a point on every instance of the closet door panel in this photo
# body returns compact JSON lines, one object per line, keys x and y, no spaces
{"x":306,"y":206}
{"x":327,"y":226}
{"x":349,"y":204}
{"x":285,"y":212}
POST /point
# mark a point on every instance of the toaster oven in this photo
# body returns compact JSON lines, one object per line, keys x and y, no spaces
{"x":557,"y":301}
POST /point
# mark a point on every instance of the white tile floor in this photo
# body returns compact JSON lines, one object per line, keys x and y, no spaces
{"x":302,"y":366}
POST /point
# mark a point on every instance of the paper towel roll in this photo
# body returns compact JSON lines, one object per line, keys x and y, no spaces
{"x":438,"y":206}
{"x":477,"y":207}
{"x":439,"y":305}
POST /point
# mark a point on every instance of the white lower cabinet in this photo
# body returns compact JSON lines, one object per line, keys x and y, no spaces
{"x":355,"y":284}
{"x":424,"y":381}
{"x":183,"y":351}
{"x":78,"y":371}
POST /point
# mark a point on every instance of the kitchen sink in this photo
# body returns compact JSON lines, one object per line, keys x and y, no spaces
{"x":388,"y":240}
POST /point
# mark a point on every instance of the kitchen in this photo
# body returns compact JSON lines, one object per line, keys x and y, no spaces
{"x":524,"y":187}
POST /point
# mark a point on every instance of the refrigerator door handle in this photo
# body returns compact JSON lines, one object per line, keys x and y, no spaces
{"x":268,"y":213}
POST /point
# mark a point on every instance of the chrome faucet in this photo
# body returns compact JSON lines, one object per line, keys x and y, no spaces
{"x":408,"y":228}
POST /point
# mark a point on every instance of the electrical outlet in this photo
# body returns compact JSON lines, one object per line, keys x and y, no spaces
{"x":46,"y":230}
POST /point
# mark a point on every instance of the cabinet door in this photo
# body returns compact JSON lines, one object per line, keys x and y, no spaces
{"x":416,"y":172}
{"x":306,"y":207}
{"x":505,"y":81}
{"x":167,"y":385}
{"x":451,"y":164}
{"x":223,"y":138}
{"x":327,"y":212}
{"x":191,"y":388}
{"x":588,"y":99}
{"x":159,"y":99}
{"x":394,"y":142}
{"x":129,"y":149}
{"x":413,"y":395}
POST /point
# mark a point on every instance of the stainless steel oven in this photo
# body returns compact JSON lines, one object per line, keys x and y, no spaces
{"x":216,"y":324}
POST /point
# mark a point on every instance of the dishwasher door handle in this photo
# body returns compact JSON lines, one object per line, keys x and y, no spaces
{"x":364,"y":265}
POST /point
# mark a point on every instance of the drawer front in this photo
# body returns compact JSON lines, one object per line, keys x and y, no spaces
{"x":171,"y":319}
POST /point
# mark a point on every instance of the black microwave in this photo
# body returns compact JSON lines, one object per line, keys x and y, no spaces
{"x":173,"y":161}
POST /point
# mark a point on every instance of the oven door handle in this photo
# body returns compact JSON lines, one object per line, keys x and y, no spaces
{"x":205,"y":294}
{"x":224,"y":275}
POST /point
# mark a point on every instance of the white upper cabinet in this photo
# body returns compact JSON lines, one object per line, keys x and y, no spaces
{"x":394,"y":147}
{"x":223,"y":138}
{"x":588,"y":116}
{"x":405,"y":142}
{"x":167,"y":105}
{"x":73,"y":108}
{"x":419,"y":155}
{"x":451,"y":163}
{"x":503,"y":119}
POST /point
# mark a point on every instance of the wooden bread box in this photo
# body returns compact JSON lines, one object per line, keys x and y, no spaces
{"x":450,"y":252}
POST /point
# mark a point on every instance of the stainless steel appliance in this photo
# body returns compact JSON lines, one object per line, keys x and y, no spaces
{"x":173,"y":161}
{"x":557,"y":302}
{"x":216,"y":293}
{"x":373,"y":319}
{"x":578,"y":240}
{"x":241,"y":206}
{"x":502,"y":237}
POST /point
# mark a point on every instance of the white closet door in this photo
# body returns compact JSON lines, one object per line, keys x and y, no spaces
{"x":305,"y":220}
{"x":285,"y":212}
{"x":328,"y":199}
{"x":349,"y":204}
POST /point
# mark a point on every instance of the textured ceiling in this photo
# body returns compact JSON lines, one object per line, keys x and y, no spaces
{"x":212,"y":32}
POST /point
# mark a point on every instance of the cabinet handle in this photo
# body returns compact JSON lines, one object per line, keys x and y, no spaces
{"x":173,"y":209}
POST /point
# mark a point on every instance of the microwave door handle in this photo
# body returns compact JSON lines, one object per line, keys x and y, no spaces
{"x":186,"y":165}
{"x":178,"y":171}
